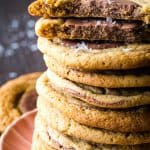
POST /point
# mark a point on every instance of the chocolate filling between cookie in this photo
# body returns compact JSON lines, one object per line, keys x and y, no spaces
{"x":88,"y":45}
{"x":79,"y":95}
{"x":96,"y":90}
{"x":27,"y":101}
{"x":98,"y":96}
{"x":95,"y":101}
{"x":136,"y":72}
{"x":17,"y":100}
{"x":91,"y":46}
{"x":118,"y":92}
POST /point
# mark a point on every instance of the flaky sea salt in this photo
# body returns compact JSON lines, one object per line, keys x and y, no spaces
{"x":12,"y":74}
{"x":108,"y":19}
{"x":114,"y":22}
{"x":98,"y":23}
{"x":82,"y":45}
{"x":127,"y":49}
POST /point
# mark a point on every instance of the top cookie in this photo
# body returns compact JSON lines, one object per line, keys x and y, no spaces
{"x":117,"y":9}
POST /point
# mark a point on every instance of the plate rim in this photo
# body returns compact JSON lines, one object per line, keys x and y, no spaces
{"x":4,"y":134}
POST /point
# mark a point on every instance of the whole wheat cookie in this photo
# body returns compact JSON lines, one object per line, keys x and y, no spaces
{"x":92,"y":29}
{"x":60,"y":141}
{"x":67,"y":126}
{"x":81,"y":57}
{"x":101,"y":97}
{"x":16,"y":97}
{"x":129,"y":120}
{"x":106,"y":79}
{"x":127,"y":10}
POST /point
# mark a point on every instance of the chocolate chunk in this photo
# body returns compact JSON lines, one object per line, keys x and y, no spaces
{"x":28,"y":101}
{"x":117,"y":9}
{"x":91,"y":45}
{"x":108,"y":29}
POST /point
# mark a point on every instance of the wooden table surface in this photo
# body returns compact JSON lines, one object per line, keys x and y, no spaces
{"x":18,"y":50}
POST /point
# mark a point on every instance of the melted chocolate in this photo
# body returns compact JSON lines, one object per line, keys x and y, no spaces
{"x":28,"y":101}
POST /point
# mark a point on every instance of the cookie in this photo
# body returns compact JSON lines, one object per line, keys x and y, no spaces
{"x":60,"y":141}
{"x":129,"y":120}
{"x":16,"y":97}
{"x":37,"y":8}
{"x":102,"y":78}
{"x":128,"y":10}
{"x":81,"y":57}
{"x":67,"y":126}
{"x":39,"y":144}
{"x":92,"y":29}
{"x":101,"y":97}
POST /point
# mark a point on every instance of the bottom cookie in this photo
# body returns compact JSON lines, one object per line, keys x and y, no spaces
{"x":49,"y":137}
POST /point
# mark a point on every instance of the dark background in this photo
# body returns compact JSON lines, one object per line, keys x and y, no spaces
{"x":18,"y":50}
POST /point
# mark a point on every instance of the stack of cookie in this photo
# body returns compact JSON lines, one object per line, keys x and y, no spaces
{"x":96,"y":92}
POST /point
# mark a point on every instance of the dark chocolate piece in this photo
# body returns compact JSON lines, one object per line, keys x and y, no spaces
{"x":108,"y":29}
{"x":117,"y":9}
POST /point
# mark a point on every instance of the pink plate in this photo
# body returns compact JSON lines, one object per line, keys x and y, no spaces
{"x":18,"y":136}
